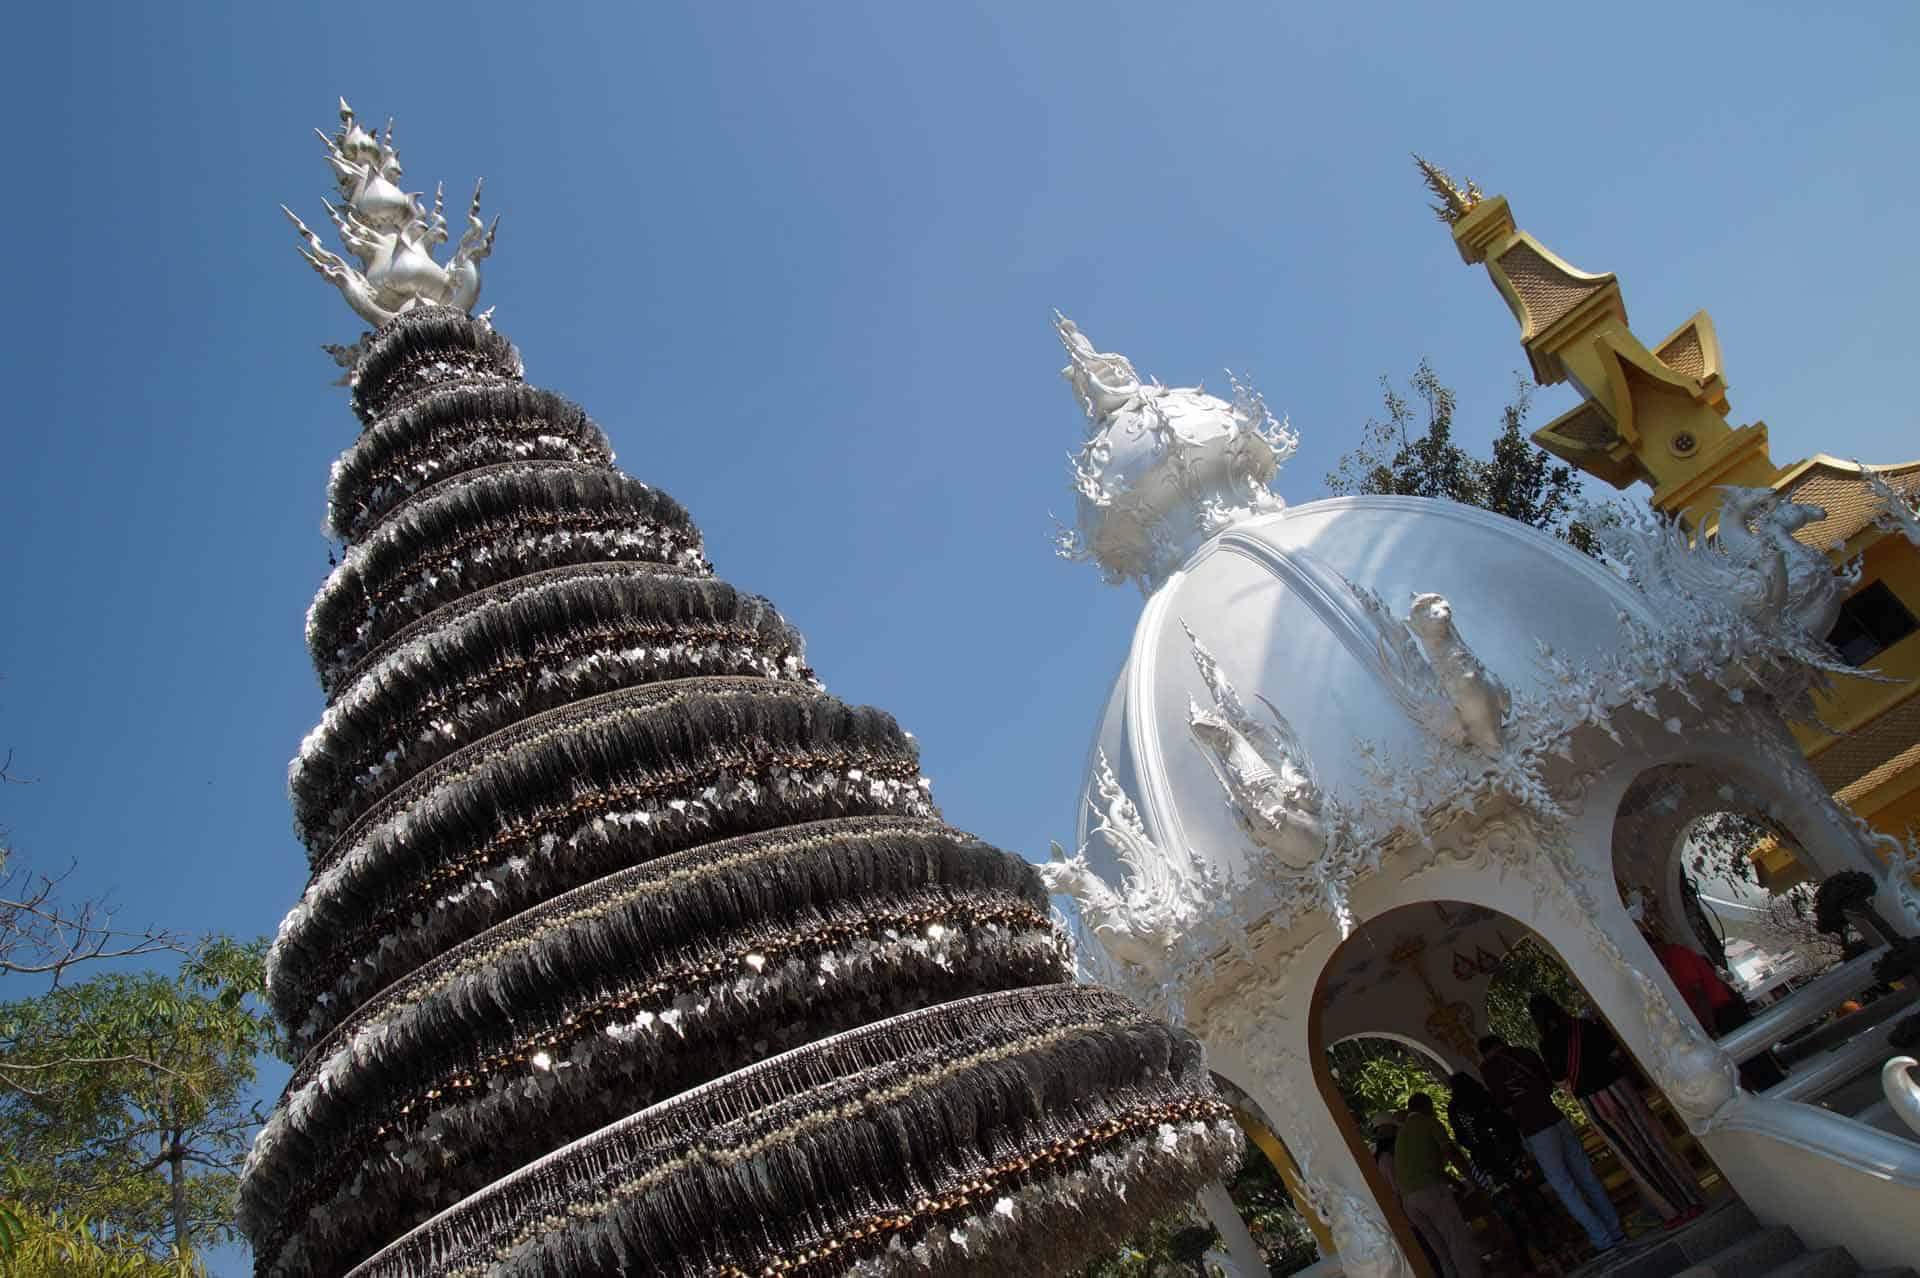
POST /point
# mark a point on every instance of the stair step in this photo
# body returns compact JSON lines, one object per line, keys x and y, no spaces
{"x":1828,"y":1262}
{"x":1720,"y":1228}
{"x":1749,"y":1257}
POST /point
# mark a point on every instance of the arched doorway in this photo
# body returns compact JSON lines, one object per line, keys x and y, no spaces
{"x":1717,"y":868}
{"x":1407,"y":998}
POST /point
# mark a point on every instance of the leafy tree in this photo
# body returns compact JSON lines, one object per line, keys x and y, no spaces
{"x":52,"y":1245}
{"x":1174,"y":1248}
{"x":1378,"y":1074}
{"x":1722,"y":844}
{"x":1527,"y":969}
{"x":1413,"y":453}
{"x":124,"y":1096}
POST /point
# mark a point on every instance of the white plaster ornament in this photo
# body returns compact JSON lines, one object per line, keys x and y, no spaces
{"x":391,"y":235}
{"x":1902,"y":513}
{"x":1162,"y":468}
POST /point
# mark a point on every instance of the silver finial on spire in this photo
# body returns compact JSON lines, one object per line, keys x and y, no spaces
{"x":387,"y":230}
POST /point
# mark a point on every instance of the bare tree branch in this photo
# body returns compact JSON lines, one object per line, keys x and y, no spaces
{"x":41,"y":937}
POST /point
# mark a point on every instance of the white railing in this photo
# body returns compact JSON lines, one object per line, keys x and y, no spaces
{"x":1802,"y":1007}
{"x":1867,"y":1050}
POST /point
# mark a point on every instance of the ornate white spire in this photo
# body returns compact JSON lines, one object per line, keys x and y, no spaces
{"x":390,"y":233}
{"x":1162,"y":469}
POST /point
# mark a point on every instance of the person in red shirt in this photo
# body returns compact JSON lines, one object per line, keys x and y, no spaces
{"x":1699,"y":984}
{"x":1714,"y":1003}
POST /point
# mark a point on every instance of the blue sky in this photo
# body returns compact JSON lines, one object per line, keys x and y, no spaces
{"x":798,"y":262}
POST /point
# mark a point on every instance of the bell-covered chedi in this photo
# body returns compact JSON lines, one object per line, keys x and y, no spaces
{"x":628,"y":948}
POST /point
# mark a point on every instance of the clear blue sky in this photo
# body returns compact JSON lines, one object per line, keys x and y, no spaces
{"x":798,"y":261}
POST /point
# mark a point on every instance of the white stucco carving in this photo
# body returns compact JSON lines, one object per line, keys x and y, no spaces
{"x":1902,"y":513}
{"x":1262,"y":766}
{"x":1480,"y":701}
{"x":1158,"y":906}
{"x":1433,"y":673}
{"x":1162,"y":468}
{"x":1755,"y":590}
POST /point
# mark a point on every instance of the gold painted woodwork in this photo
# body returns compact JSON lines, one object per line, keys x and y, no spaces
{"x":1659,"y":416}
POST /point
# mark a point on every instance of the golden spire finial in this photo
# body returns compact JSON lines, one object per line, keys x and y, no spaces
{"x":1455,"y":203}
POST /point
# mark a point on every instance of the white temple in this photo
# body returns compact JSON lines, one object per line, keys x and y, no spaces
{"x":1361,"y":746}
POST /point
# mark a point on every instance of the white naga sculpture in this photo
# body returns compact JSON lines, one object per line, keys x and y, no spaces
{"x":1903,"y":1095}
{"x":1901,"y":515}
{"x":1752,"y":566}
{"x":388,"y":231}
{"x":1263,"y":768}
{"x":1142,"y":921}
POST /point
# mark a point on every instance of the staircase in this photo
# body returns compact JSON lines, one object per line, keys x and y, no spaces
{"x":1729,"y":1243}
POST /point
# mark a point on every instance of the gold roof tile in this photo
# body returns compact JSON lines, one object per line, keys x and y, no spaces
{"x":1851,"y":760}
{"x":1844,"y":495}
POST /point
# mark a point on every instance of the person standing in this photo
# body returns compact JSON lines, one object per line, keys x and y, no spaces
{"x":1715,"y":1004}
{"x":1584,"y":1056}
{"x":1523,"y":1086}
{"x":1386,"y":1129}
{"x":1420,"y":1158}
{"x":1492,"y":1141}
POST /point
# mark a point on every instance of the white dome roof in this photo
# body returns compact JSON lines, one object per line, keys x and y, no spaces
{"x":1272,"y":598}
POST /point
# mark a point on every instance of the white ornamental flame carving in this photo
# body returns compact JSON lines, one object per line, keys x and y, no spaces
{"x":391,"y":235}
{"x":1902,"y":514}
{"x":1752,"y":569}
{"x":1262,"y":766}
{"x":1162,"y":468}
{"x":1143,"y":921}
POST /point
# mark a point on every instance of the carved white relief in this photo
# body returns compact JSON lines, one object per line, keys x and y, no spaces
{"x":1902,"y":513}
{"x":1306,"y":853}
{"x":391,"y":235}
{"x":1262,"y":766}
{"x":1162,"y":468}
{"x":1894,"y":862}
{"x":1480,"y":701}
{"x":1163,"y":898}
{"x":1432,"y":672}
{"x":1752,"y":590}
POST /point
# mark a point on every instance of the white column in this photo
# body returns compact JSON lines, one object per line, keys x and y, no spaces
{"x":1244,"y":1252}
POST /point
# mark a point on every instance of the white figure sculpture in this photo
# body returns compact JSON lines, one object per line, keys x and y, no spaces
{"x":1814,"y":590}
{"x":1263,"y":767}
{"x":1141,"y":922}
{"x":1480,"y":701}
{"x":1752,"y":567}
{"x":384,"y":227}
{"x":1432,"y":672}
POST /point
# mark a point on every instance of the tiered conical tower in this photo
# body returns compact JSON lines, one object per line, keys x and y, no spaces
{"x":627,"y":948}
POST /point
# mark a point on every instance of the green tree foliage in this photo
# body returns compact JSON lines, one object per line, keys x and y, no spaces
{"x":1526,"y":970}
{"x":1174,"y":1247}
{"x":125,"y":1097}
{"x":1413,"y":453}
{"x":1379,"y":1074}
{"x":52,"y":1245}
